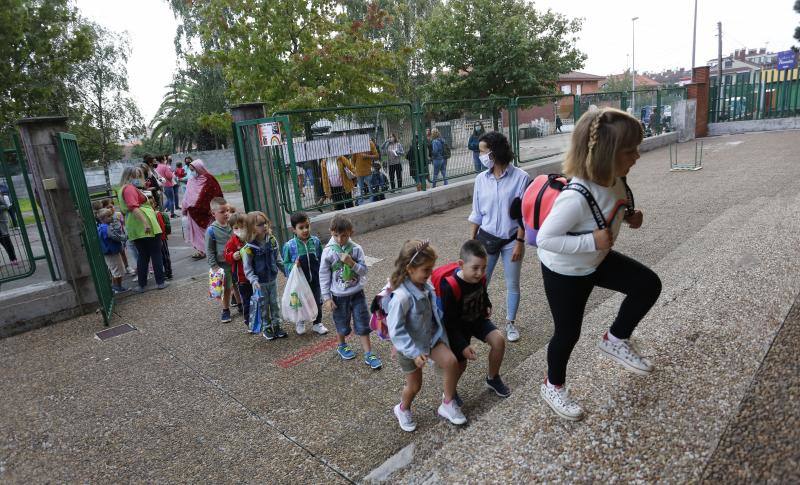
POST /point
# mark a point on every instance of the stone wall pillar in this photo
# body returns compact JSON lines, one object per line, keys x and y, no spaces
{"x":248,"y":171}
{"x":698,"y":90}
{"x":63,"y":221}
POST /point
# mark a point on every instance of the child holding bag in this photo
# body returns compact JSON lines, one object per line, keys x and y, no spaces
{"x":261,"y":261}
{"x":233,"y":257}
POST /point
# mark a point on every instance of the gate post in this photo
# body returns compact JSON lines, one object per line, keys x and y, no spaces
{"x":52,"y":186}
{"x":247,"y":174}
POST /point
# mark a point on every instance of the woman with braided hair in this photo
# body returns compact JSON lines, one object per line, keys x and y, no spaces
{"x":576,"y":255}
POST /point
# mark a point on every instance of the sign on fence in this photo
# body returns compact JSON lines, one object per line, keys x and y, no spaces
{"x":270,"y":134}
{"x":322,"y":148}
{"x":786,"y":60}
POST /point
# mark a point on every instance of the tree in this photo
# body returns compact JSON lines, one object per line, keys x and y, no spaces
{"x":482,"y":48}
{"x":797,"y":29}
{"x":293,"y":53}
{"x":617,"y":82}
{"x":40,"y":44}
{"x":105,"y":111}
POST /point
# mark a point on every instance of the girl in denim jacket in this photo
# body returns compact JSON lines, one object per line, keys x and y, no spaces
{"x":262,"y":262}
{"x":416,"y":331}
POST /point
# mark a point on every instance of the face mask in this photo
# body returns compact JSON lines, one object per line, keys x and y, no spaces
{"x":137,"y":183}
{"x":486,"y":160}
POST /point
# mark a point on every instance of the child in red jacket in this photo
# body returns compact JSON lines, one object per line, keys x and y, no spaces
{"x":166,"y":229}
{"x":234,"y":258}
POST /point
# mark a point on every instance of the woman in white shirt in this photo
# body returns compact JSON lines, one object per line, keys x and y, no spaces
{"x":576,"y":255}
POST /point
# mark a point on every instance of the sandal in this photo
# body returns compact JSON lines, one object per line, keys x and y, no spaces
{"x":198,"y":256}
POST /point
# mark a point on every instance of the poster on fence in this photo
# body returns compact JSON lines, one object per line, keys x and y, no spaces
{"x":359,"y":143}
{"x":339,"y":146}
{"x":270,"y":134}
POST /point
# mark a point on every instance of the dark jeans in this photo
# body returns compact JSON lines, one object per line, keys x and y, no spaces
{"x":338,"y":195}
{"x":6,"y":242}
{"x":166,"y":259}
{"x":246,"y":292}
{"x":317,"y":297}
{"x":567,"y":296}
{"x":396,"y":171}
{"x":149,"y":248}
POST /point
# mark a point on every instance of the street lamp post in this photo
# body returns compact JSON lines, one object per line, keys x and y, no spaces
{"x":633,"y":66}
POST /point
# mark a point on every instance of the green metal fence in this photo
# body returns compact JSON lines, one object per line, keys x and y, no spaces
{"x":543,"y":124}
{"x":362,"y":135}
{"x":754,"y":101}
{"x":71,"y":158}
{"x":456,"y":121}
{"x":18,"y":257}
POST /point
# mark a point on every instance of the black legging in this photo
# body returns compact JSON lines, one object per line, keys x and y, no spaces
{"x":396,"y":171}
{"x":149,"y":248}
{"x":6,"y":242}
{"x":567,"y":296}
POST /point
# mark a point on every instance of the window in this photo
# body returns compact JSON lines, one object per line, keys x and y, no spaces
{"x":566,"y":89}
{"x":577,"y":90}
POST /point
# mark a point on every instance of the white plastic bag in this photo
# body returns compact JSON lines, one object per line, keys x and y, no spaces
{"x":298,"y":303}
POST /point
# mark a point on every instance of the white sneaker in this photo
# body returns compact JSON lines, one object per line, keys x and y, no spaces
{"x":451,"y":412}
{"x":626,"y":354}
{"x":512,"y":334}
{"x":319,"y":328}
{"x":300,"y":327}
{"x":559,"y":401}
{"x":405,"y":419}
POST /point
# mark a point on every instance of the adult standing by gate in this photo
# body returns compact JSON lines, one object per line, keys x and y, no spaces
{"x":164,"y":170}
{"x":363,"y":165}
{"x":472,"y":145}
{"x":142,"y":227}
{"x":196,"y":206}
{"x":493,"y":193}
{"x":396,"y":152}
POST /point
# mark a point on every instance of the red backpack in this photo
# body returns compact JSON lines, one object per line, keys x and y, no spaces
{"x":541,"y":194}
{"x":447,"y":273}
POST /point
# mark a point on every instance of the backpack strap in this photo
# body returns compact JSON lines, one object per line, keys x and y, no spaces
{"x":593,"y":207}
{"x":454,"y":286}
{"x":629,"y":194}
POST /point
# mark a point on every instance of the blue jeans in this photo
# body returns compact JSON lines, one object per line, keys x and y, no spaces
{"x":439,"y":166}
{"x":476,"y":160}
{"x":271,"y":311}
{"x":363,"y":184}
{"x":511,"y":271}
{"x":354,"y":305}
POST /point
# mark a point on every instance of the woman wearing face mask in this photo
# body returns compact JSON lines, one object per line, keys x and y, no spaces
{"x":142,"y":227}
{"x":201,"y":187}
{"x":395,"y":150}
{"x":495,"y":189}
{"x":472,"y":145}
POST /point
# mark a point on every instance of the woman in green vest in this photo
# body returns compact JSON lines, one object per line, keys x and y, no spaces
{"x":142,"y":227}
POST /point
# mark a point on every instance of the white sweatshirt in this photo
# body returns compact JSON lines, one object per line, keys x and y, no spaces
{"x":576,"y":255}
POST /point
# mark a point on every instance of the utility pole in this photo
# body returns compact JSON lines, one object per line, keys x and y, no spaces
{"x":719,"y":54}
{"x":633,"y":65}
{"x":694,"y":34}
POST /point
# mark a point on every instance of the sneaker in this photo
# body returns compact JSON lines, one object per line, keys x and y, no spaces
{"x":118,"y":289}
{"x":405,"y":419}
{"x":498,"y":386}
{"x":512,"y":334}
{"x":451,"y":412}
{"x":345,"y":351}
{"x":319,"y":328}
{"x":239,"y":308}
{"x":162,"y":285}
{"x":130,"y":271}
{"x":226,"y":316}
{"x":372,"y":360}
{"x":626,"y":354}
{"x":269,"y":333}
{"x":15,"y":263}
{"x":139,"y":289}
{"x":559,"y":401}
{"x":279,"y":331}
{"x":458,"y":400}
{"x":300,"y":328}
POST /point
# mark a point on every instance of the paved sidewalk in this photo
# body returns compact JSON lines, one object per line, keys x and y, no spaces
{"x":187,"y":399}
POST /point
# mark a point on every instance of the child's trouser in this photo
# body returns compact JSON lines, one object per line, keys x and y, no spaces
{"x":9,"y":246}
{"x":271,"y":310}
{"x":246,"y":292}
{"x":567,"y":296}
{"x":348,"y":306}
{"x":317,"y":297}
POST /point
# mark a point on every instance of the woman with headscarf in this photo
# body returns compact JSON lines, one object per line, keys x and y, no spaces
{"x":201,"y":187}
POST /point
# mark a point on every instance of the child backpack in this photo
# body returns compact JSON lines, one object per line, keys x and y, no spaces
{"x":541,"y":194}
{"x":447,"y":273}
{"x":377,"y":322}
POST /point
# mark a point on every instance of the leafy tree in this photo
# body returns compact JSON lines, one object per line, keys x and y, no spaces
{"x":618,"y":82}
{"x":105,"y":111}
{"x":797,"y":29}
{"x":293,"y":53}
{"x":40,"y":44}
{"x":482,"y":48}
{"x":152,"y":146}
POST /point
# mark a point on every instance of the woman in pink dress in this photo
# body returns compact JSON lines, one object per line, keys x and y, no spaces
{"x":196,"y":206}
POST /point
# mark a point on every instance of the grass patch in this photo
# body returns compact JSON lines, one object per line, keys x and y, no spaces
{"x":228,"y":182}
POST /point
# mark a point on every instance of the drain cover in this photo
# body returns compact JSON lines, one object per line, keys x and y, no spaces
{"x":114,"y":331}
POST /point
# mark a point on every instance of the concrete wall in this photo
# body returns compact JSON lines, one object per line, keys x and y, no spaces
{"x":35,"y":306}
{"x":774,"y":124}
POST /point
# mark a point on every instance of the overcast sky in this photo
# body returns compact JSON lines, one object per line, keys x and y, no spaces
{"x":663,"y":34}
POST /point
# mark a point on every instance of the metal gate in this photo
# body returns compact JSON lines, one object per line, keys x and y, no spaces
{"x":266,"y":167}
{"x":71,"y":158}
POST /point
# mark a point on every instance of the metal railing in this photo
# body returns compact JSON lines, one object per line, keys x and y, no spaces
{"x":754,"y":101}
